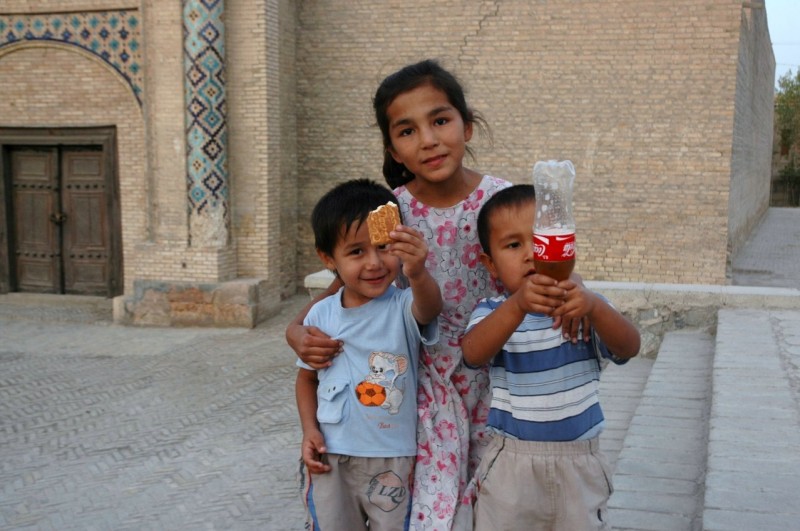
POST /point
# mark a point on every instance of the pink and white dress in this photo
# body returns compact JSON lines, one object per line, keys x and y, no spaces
{"x":452,"y":400}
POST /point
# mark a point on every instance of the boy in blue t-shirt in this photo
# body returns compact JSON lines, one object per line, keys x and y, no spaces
{"x":359,"y":415}
{"x":543,"y":468}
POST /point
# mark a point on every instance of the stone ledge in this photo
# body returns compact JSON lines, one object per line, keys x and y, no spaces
{"x":660,"y":308}
{"x":318,"y":281}
{"x":236,"y":303}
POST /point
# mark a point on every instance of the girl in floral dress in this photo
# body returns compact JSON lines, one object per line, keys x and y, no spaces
{"x":452,"y":399}
{"x":426,"y":124}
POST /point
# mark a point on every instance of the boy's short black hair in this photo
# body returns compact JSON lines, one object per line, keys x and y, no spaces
{"x":513,"y":196}
{"x":347,"y":203}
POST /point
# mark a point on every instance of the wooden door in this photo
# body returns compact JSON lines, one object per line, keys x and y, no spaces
{"x":61,"y":205}
{"x":35,"y":196}
{"x":86,"y":240}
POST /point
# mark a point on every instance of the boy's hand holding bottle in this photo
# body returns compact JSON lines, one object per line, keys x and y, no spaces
{"x":579,"y":303}
{"x":538,"y":294}
{"x":568,"y":302}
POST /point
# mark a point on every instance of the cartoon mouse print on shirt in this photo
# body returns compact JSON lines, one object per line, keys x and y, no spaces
{"x":379,"y":388}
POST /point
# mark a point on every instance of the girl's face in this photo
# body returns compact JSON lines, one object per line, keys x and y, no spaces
{"x":428,"y":134}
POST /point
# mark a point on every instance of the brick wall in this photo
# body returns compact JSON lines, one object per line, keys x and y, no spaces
{"x":751,"y":166}
{"x":640,"y":95}
{"x":260,"y":88}
{"x":246,"y":73}
{"x":262,"y":143}
{"x":40,"y":91}
{"x":662,"y":106}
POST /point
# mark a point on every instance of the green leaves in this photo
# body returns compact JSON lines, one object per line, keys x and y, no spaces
{"x":787,"y":111}
{"x":790,"y":177}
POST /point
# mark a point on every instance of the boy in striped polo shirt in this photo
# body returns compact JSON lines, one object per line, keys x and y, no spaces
{"x":543,"y":468}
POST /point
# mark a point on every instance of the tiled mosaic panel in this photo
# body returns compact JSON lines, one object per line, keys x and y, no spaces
{"x":206,"y":114}
{"x":114,"y":36}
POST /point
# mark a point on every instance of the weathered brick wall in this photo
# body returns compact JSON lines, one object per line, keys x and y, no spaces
{"x":640,"y":95}
{"x":83,"y":91}
{"x":753,"y":129}
{"x":48,"y":86}
{"x":661,"y":106}
{"x":286,"y":257}
{"x":262,"y":140}
{"x":259,"y":57}
{"x":260,"y":44}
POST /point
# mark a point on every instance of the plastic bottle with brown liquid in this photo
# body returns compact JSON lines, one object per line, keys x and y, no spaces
{"x":554,"y":224}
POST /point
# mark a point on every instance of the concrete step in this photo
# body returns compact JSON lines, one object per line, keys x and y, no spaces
{"x":753,"y":472}
{"x":660,"y":470}
{"x":621,"y":388}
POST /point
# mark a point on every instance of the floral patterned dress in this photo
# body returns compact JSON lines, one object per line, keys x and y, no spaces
{"x":453,"y":400}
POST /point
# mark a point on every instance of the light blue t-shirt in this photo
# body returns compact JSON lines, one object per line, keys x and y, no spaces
{"x":367,"y":400}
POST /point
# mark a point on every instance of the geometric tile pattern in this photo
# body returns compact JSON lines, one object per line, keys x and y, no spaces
{"x":206,"y":112}
{"x":114,"y":36}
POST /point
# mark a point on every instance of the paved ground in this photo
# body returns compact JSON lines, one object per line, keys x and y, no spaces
{"x":771,"y":255}
{"x":118,"y":428}
{"x":111,"y":427}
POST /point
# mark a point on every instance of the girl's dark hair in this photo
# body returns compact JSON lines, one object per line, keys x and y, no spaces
{"x":511,"y":197}
{"x":408,"y":78}
{"x":347,"y":203}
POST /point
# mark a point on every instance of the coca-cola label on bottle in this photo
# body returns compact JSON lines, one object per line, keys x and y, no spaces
{"x":554,"y":247}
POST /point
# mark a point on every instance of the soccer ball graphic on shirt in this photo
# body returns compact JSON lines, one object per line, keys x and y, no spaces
{"x":379,"y":387}
{"x":370,"y":394}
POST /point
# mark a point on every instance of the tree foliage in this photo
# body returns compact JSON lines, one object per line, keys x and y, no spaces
{"x":787,"y":110}
{"x":790,"y":177}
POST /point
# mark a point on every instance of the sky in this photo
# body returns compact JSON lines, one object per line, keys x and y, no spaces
{"x":783,"y":18}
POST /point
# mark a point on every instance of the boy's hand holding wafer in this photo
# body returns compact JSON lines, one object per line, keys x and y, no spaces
{"x":410,"y":247}
{"x":407,"y":244}
{"x":381,"y":222}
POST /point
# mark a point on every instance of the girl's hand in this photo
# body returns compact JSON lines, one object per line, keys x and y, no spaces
{"x":313,"y":450}
{"x":410,"y":247}
{"x":539,"y":294}
{"x":313,"y":346}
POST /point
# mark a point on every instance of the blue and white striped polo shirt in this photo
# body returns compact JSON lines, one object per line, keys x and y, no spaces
{"x":544,"y":388}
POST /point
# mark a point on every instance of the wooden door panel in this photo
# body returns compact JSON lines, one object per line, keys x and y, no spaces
{"x":34,"y":230}
{"x":34,"y":184}
{"x":86,"y":227}
{"x":87,"y":211}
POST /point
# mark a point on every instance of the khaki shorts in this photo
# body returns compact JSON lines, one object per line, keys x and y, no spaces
{"x":357,"y":490}
{"x":542,"y":486}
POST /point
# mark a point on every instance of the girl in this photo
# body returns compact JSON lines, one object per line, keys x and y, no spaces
{"x":426,"y":125}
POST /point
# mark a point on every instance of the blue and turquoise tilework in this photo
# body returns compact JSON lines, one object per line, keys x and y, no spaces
{"x":114,"y":36}
{"x":206,"y":113}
